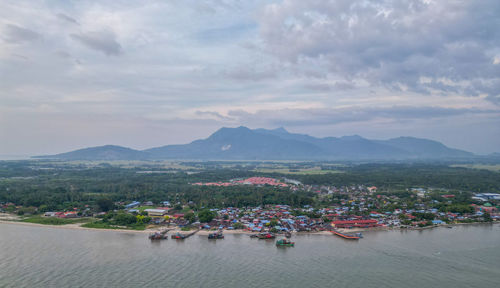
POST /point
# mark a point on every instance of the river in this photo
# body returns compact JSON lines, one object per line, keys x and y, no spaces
{"x":465,"y":256}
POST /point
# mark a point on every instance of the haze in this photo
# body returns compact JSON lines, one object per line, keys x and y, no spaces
{"x":144,"y":74}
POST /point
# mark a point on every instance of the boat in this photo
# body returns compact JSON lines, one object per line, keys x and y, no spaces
{"x":266,"y":235}
{"x":158,"y":235}
{"x":285,"y":242}
{"x":216,"y":235}
{"x":178,"y":236}
{"x":288,"y":235}
{"x":348,"y":236}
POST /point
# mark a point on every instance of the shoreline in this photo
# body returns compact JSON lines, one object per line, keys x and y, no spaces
{"x":77,"y":226}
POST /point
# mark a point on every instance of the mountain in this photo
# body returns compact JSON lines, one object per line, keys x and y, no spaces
{"x":278,"y":144}
{"x":424,"y":148}
{"x":242,"y":143}
{"x":107,"y":152}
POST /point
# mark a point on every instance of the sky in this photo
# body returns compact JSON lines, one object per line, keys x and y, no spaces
{"x":143,"y":74}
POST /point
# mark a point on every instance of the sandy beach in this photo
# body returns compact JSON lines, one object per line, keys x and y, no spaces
{"x":14,"y":220}
{"x":147,"y":231}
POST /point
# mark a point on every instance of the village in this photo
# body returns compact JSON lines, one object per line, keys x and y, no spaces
{"x":351,"y":208}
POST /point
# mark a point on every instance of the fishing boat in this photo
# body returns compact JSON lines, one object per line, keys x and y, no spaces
{"x":158,"y":235}
{"x":288,"y":235}
{"x":178,"y":236}
{"x":285,"y":242}
{"x":266,"y":235}
{"x":216,"y":235}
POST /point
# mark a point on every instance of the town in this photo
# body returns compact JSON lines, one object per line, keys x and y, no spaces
{"x":354,"y":207}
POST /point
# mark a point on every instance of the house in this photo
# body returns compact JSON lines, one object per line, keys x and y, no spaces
{"x":156,"y":212}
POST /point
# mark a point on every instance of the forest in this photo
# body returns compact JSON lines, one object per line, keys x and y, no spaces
{"x":59,"y":185}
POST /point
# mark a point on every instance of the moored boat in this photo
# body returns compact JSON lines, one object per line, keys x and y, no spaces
{"x":216,"y":235}
{"x":266,"y":235}
{"x":178,"y":236}
{"x":158,"y":235}
{"x":285,"y":242}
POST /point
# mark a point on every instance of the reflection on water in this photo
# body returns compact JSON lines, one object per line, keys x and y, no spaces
{"x":465,"y":256}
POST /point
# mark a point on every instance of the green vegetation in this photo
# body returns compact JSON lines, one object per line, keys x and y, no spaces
{"x":238,"y":225}
{"x":206,"y":215}
{"x":105,"y":225}
{"x":61,"y":186}
{"x":491,"y":167}
{"x":190,"y":217}
{"x":297,"y":171}
{"x":53,"y":220}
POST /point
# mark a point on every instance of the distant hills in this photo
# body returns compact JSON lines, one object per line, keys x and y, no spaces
{"x":243,"y":143}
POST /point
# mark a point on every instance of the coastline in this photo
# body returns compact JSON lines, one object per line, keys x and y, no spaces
{"x":77,"y":226}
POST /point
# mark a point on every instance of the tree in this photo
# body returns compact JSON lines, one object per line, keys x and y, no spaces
{"x":190,"y":217}
{"x":105,"y":204}
{"x":238,"y":225}
{"x":487,"y":217}
{"x":273,"y":222}
{"x":206,"y":215}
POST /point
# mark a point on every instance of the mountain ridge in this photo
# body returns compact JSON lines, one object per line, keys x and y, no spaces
{"x":242,"y":143}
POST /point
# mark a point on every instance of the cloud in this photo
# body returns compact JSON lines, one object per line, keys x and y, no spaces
{"x":18,"y":34}
{"x":102,"y":41}
{"x":67,"y":18}
{"x":390,"y":43}
{"x":334,"y":116}
{"x":342,"y":66}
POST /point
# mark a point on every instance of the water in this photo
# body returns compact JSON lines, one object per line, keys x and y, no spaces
{"x":465,"y":256}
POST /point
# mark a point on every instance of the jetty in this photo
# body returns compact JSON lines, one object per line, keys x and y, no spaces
{"x":181,"y":236}
{"x":356,"y":236}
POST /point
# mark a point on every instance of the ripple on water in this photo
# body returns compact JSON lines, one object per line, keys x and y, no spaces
{"x":48,"y":257}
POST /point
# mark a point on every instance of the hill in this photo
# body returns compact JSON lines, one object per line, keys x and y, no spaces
{"x":107,"y":152}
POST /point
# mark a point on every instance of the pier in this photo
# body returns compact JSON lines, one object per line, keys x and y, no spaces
{"x":346,"y":236}
{"x":184,"y":236}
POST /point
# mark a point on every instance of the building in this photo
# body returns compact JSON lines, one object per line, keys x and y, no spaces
{"x":486,"y":196}
{"x":156,"y":212}
{"x":132,"y":205}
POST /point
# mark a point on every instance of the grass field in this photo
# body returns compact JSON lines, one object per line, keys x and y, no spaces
{"x":494,"y":167}
{"x":54,"y":220}
{"x":102,"y":225}
{"x":297,"y":171}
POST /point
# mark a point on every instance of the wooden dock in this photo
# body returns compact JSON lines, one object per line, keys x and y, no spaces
{"x":345,"y":236}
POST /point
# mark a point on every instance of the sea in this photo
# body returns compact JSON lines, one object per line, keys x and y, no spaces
{"x":464,"y":256}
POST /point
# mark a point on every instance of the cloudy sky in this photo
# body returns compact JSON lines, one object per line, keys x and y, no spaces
{"x":142,"y":74}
